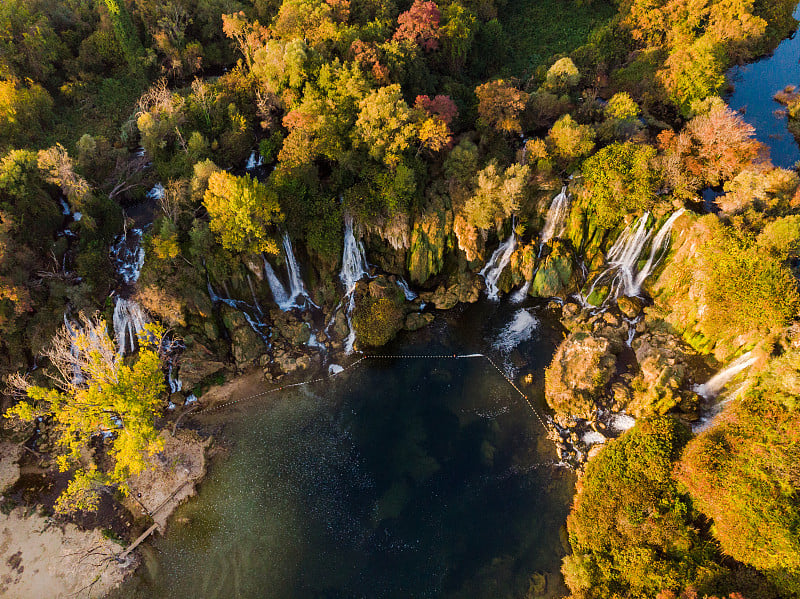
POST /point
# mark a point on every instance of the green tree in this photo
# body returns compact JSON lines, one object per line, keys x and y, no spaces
{"x":242,"y":210}
{"x":498,"y":195}
{"x":621,"y":179}
{"x":385,"y":126}
{"x":569,"y":140}
{"x":632,"y":531}
{"x":96,"y":393}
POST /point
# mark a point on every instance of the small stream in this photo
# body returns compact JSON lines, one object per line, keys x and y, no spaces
{"x":404,"y":478}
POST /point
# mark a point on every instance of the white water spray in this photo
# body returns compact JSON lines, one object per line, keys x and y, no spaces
{"x":623,"y":257}
{"x":496,"y":265}
{"x":521,"y":328}
{"x":128,"y":255}
{"x":714,"y":386}
{"x":354,"y":261}
{"x":254,"y":161}
{"x":555,"y":222}
{"x":279,"y":293}
{"x":129,"y":318}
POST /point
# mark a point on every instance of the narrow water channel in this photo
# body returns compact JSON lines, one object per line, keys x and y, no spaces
{"x":406,"y":478}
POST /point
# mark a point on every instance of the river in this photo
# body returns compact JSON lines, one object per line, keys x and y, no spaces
{"x":403,"y":478}
{"x":755,"y":85}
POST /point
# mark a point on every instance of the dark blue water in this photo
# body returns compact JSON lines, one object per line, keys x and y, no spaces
{"x":406,"y":478}
{"x":754,"y":87}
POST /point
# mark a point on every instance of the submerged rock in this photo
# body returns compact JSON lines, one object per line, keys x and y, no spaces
{"x":417,"y":320}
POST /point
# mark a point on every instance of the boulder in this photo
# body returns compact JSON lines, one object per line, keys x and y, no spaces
{"x":578,"y":375}
{"x":417,"y":320}
{"x":246,"y":344}
{"x":660,"y":385}
{"x":197,"y":364}
{"x":631,"y":307}
{"x":557,"y":275}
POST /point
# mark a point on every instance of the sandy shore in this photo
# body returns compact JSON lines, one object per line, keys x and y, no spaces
{"x":39,"y":559}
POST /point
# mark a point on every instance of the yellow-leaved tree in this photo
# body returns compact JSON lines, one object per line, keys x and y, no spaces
{"x":96,"y":393}
{"x":241,"y":210}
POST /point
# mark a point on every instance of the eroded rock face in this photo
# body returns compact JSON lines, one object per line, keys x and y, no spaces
{"x":197,"y":364}
{"x":245,"y":343}
{"x":578,"y":375}
{"x":464,"y":287}
{"x":287,"y":326}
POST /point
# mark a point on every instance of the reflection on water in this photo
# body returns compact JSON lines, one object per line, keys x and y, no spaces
{"x":410,"y":478}
{"x":754,"y":87}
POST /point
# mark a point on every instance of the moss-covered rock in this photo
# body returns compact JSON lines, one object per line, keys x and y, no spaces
{"x":661,"y":384}
{"x":429,"y":240}
{"x":377,"y":320}
{"x":417,"y":320}
{"x":557,"y":275}
{"x":246,"y":344}
{"x":578,"y":375}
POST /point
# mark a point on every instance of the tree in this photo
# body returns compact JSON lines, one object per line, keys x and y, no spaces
{"x":97,"y":393}
{"x":569,"y":140}
{"x":242,"y":210}
{"x":385,"y":125}
{"x":744,"y":472}
{"x":420,"y":24}
{"x":498,"y":195}
{"x":621,"y":179}
{"x":500,"y":105}
{"x":633,"y":533}
{"x":563,"y":75}
{"x":457,"y":34}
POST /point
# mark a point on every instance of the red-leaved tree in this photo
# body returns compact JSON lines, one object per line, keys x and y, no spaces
{"x":420,"y":24}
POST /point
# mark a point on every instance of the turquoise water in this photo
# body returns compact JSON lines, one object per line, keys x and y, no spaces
{"x":754,"y":87}
{"x":405,"y":478}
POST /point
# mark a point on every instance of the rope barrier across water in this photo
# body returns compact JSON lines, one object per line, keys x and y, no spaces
{"x":384,"y":356}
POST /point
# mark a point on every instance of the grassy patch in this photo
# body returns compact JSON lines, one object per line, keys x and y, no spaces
{"x":536,"y":30}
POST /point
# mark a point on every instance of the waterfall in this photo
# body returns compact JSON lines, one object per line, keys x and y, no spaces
{"x":254,"y":161}
{"x":713,"y":386}
{"x":520,"y":294}
{"x":555,"y":223}
{"x":287,"y":298}
{"x":496,"y":264}
{"x":261,"y":329}
{"x":354,"y":262}
{"x":658,"y":248}
{"x":279,"y":293}
{"x":623,"y":257}
{"x":128,"y":255}
{"x":354,"y":268}
{"x":296,"y":287}
{"x":129,"y":318}
{"x":409,"y":293}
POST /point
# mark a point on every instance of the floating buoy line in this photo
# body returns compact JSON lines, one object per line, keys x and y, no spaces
{"x":549,"y":428}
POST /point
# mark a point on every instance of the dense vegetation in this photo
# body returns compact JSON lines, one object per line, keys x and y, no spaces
{"x":407,"y":117}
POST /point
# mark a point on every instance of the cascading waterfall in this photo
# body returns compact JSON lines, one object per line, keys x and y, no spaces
{"x":354,"y":268}
{"x":496,"y":264}
{"x":625,"y":278}
{"x":409,"y":293}
{"x":714,"y":386}
{"x":261,"y":329}
{"x":279,"y":293}
{"x":129,"y":318}
{"x":354,"y":261}
{"x":296,"y":287}
{"x":254,"y":161}
{"x":287,"y":298}
{"x":555,"y":222}
{"x":128,"y":255}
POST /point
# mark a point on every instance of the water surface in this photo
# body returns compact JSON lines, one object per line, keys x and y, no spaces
{"x":755,"y":85}
{"x":406,"y":478}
